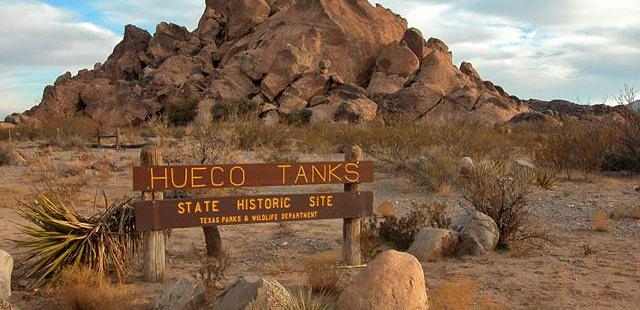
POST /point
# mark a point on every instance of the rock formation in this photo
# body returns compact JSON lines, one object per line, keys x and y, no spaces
{"x":344,"y":60}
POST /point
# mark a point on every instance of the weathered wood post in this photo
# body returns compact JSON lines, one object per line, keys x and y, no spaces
{"x":154,"y":241}
{"x":117,"y":138}
{"x":351,"y":227}
{"x":10,"y":137}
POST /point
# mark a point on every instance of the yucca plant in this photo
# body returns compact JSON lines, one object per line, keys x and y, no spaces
{"x":60,"y":237}
{"x":545,"y":178}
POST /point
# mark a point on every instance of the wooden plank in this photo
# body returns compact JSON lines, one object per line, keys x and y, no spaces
{"x":158,"y":178}
{"x":201,"y":212}
{"x":351,"y":252}
{"x":154,"y":242}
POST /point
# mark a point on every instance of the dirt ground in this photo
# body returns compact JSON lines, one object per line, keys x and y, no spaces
{"x":580,"y":269}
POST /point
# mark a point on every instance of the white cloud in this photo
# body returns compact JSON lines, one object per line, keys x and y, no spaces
{"x":546,"y":49}
{"x":40,"y":42}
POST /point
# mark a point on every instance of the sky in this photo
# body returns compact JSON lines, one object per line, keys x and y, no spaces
{"x":579,"y":50}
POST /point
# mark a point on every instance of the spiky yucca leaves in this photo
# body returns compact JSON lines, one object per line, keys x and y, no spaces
{"x":59,"y":237}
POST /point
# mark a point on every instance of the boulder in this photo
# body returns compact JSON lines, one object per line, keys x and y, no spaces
{"x":243,"y":15}
{"x":252,"y":293}
{"x":430,"y":244}
{"x":397,"y":59}
{"x":167,"y":41}
{"x":183,"y":294}
{"x":128,"y":59}
{"x":467,"y":68}
{"x":6,"y":268}
{"x":357,"y":110}
{"x":382,"y":83}
{"x":466,"y":165}
{"x":290,"y":62}
{"x":479,"y":235}
{"x":290,"y":103}
{"x":393,"y":280}
{"x":415,"y":41}
{"x":522,"y":165}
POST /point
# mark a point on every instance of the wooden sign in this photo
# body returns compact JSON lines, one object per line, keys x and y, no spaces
{"x":158,"y":178}
{"x":197,"y":212}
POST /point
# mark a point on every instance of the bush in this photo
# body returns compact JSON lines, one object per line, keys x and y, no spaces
{"x":461,"y":293}
{"x":322,"y":275}
{"x":59,"y":237}
{"x":437,"y":170}
{"x":213,"y":270}
{"x":502,"y":193}
{"x":545,"y":178}
{"x":400,"y":231}
{"x":81,"y":288}
{"x":214,"y":144}
{"x":577,"y":145}
{"x":8,"y":155}
{"x":298,"y":118}
{"x":601,"y":221}
{"x":305,"y":299}
{"x":234,"y":109}
{"x":625,"y":154}
{"x":182,"y":112}
{"x":59,"y":129}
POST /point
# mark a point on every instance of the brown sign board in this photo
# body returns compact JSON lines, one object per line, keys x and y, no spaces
{"x":198,"y":212}
{"x":158,"y":178}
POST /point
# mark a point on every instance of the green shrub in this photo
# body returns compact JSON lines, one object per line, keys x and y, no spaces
{"x":298,"y":118}
{"x":182,"y":113}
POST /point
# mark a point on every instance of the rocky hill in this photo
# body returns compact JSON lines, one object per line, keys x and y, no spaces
{"x":340,"y":59}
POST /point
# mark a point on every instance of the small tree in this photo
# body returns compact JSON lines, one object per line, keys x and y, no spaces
{"x":182,"y":113}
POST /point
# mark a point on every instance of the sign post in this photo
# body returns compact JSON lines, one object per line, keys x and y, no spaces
{"x":154,"y":214}
{"x":153,"y":240}
{"x":351,"y":226}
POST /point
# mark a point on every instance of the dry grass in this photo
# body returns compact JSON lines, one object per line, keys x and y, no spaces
{"x":8,"y":155}
{"x":627,"y":212}
{"x":213,"y":271}
{"x":600,"y":221}
{"x":81,"y":288}
{"x":386,"y":209}
{"x":437,"y":170}
{"x":308,"y":299}
{"x":461,"y":293}
{"x":283,"y":230}
{"x":321,"y":272}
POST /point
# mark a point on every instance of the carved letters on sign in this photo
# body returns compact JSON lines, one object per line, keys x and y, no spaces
{"x":158,"y":178}
{"x":194,"y":212}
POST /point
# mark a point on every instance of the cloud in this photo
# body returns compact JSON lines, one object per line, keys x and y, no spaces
{"x":546,"y":49}
{"x":40,"y":42}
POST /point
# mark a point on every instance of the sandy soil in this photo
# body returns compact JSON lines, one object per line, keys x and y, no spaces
{"x":560,"y":276}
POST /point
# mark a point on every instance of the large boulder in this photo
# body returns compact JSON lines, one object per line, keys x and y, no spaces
{"x":6,"y":269}
{"x":183,"y":294}
{"x":252,"y":293}
{"x":478,"y":236}
{"x":393,"y":280}
{"x":431,"y":244}
{"x":415,"y":41}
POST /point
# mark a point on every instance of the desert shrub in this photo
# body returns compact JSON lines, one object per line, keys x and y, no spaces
{"x":234,"y":109}
{"x":461,"y":293}
{"x":304,"y":299}
{"x":58,"y":129}
{"x":321,"y":272}
{"x":59,"y":237}
{"x":394,"y":145}
{"x":298,"y":118}
{"x":437,"y":170}
{"x":370,"y":238}
{"x":213,"y":270}
{"x":625,"y":154}
{"x":627,"y":212}
{"x":400,"y":231}
{"x":214,"y":144}
{"x":577,"y":145}
{"x":545,"y":178}
{"x":8,"y":155}
{"x":283,"y":229}
{"x":81,"y":288}
{"x":182,"y":113}
{"x":502,"y":193}
{"x":600,"y":221}
{"x":277,"y":156}
{"x":252,"y":134}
